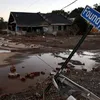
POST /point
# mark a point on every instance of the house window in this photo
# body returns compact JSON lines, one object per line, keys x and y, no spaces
{"x":65,"y":27}
{"x":53,"y":28}
{"x":59,"y":28}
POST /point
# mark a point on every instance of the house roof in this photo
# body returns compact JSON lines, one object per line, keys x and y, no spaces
{"x":38,"y":19}
{"x":28,"y":19}
{"x":57,"y":19}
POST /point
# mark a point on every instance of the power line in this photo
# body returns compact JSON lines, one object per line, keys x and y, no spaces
{"x":31,"y":4}
{"x":69,"y":4}
{"x":45,"y":62}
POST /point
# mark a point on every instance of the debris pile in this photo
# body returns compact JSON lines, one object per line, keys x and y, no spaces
{"x":14,"y":75}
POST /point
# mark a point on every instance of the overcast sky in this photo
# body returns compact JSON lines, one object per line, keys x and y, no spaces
{"x":6,"y":6}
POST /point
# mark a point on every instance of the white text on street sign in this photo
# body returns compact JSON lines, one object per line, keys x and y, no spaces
{"x":91,"y":16}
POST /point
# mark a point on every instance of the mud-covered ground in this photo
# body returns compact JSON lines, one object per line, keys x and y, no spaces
{"x":90,"y":43}
{"x":90,"y":80}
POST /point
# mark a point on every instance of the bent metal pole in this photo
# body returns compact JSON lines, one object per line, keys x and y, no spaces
{"x":77,"y":47}
{"x":71,"y":55}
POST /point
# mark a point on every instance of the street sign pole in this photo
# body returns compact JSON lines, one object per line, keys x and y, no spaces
{"x":91,"y":16}
{"x":71,"y":55}
{"x":77,"y":47}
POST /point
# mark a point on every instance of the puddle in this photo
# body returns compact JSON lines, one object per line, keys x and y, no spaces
{"x":46,"y":63}
{"x":83,"y":59}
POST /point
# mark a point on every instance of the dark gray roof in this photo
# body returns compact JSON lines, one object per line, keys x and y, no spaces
{"x":28,"y":19}
{"x":35,"y":19}
{"x":57,"y":19}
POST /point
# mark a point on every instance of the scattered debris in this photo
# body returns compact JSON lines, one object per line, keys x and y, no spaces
{"x":96,"y":69}
{"x":36,"y":74}
{"x":27,"y":75}
{"x":52,"y":73}
{"x":13,"y":75}
{"x":43,"y":73}
{"x":58,"y":69}
{"x":23,"y":67}
{"x":12,"y":69}
{"x":84,"y":69}
{"x":71,"y":98}
{"x":23,"y":79}
{"x":31,"y":76}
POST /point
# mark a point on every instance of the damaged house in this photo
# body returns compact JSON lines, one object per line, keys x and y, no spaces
{"x":50,"y":23}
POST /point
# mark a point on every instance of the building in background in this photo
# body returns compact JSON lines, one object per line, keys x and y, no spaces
{"x":22,"y":23}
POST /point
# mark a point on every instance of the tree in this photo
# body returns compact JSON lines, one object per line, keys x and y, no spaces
{"x":1,"y":19}
{"x":97,"y":7}
{"x":3,"y":25}
{"x":60,"y":12}
{"x":76,"y":12}
{"x":79,"y":21}
{"x":82,"y":24}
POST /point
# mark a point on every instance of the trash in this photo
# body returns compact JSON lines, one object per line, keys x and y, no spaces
{"x":69,"y":65}
{"x":31,"y":75}
{"x":97,"y":69}
{"x":99,"y":83}
{"x":36,"y":73}
{"x":68,"y":70}
{"x":61,"y":42}
{"x":88,"y":94}
{"x":43,"y":36}
{"x":4,"y":95}
{"x":12,"y":69}
{"x":74,"y":93}
{"x":54,"y":70}
{"x":23,"y":79}
{"x":84,"y":69}
{"x":58,"y":69}
{"x":52,"y":73}
{"x":23,"y":67}
{"x":27,"y":75}
{"x":55,"y":84}
{"x":13,"y":75}
{"x":71,"y":98}
{"x":43,"y":73}
{"x":37,"y":95}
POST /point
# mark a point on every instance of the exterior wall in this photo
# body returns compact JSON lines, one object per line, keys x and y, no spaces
{"x":51,"y":29}
{"x":48,"y":30}
{"x":54,"y":29}
{"x":11,"y":23}
{"x":20,"y":30}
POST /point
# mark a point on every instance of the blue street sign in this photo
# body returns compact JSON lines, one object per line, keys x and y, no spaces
{"x":91,"y":16}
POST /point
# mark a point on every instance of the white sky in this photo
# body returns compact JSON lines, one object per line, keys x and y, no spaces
{"x":6,"y":6}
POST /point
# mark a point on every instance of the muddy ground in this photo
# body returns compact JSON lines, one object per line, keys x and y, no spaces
{"x":90,"y":43}
{"x":89,"y":80}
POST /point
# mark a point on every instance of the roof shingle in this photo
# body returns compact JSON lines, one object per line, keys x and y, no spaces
{"x":35,"y":19}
